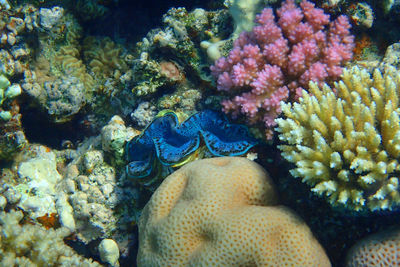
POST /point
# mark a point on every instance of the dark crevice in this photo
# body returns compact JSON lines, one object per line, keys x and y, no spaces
{"x":38,"y":128}
{"x":132,"y":20}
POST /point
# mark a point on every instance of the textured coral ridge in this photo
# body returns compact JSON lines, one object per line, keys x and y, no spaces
{"x":172,"y":142}
{"x":380,"y":249}
{"x":222,"y":212}
{"x":347,"y":146}
{"x":279,"y":58}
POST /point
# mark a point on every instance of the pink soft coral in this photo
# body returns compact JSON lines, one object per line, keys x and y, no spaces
{"x":279,"y":58}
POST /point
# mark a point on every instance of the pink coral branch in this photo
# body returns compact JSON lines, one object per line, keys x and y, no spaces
{"x":279,"y":58}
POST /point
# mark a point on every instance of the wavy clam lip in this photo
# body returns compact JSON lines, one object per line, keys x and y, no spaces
{"x":166,"y":141}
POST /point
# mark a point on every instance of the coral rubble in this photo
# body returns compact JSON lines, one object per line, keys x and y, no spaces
{"x":24,"y":244}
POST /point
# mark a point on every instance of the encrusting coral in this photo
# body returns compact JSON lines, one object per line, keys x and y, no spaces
{"x":69,"y":59}
{"x":380,"y":249}
{"x":33,"y":245}
{"x":223,"y":212}
{"x":346,"y":145}
{"x":104,"y":56}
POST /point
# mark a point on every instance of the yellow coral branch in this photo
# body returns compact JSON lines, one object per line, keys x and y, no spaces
{"x":345,"y":141}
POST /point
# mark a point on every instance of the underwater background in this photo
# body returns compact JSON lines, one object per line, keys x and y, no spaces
{"x":199,"y":133}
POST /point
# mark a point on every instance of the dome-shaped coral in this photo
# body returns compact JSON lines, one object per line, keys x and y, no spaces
{"x":380,"y":249}
{"x":222,"y":212}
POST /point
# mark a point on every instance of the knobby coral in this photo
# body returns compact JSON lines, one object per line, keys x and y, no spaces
{"x":223,"y":212}
{"x":279,"y":58}
{"x":379,"y":249}
{"x":347,"y":145}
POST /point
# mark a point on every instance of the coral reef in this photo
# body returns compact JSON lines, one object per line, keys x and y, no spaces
{"x":170,"y":142}
{"x":35,"y":184}
{"x":7,"y":91}
{"x":144,"y":114}
{"x":392,"y":56}
{"x":65,"y":97}
{"x":5,"y":4}
{"x":279,"y":58}
{"x":78,"y":187}
{"x":223,"y":212}
{"x":14,"y":56}
{"x":71,"y":75}
{"x":100,"y":200}
{"x":11,"y":26}
{"x":12,"y":138}
{"x":94,"y":198}
{"x":57,"y":79}
{"x":104,"y":57}
{"x":244,"y":13}
{"x":361,"y":14}
{"x":50,"y":17}
{"x":33,"y":245}
{"x":69,"y":62}
{"x":114,"y":136}
{"x":170,"y":62}
{"x":346,"y":144}
{"x":91,"y":68}
{"x":380,"y":249}
{"x":109,"y":252}
{"x":91,"y":9}
{"x":94,"y":188}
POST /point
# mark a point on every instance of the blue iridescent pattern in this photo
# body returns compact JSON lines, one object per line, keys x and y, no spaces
{"x":169,"y":142}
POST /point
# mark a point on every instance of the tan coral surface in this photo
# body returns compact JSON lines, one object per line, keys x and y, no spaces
{"x":380,"y":249}
{"x":222,"y":212}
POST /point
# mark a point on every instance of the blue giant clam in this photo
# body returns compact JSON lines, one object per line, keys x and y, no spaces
{"x":171,"y":143}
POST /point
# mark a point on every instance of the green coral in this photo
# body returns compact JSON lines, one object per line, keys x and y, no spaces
{"x":91,"y":9}
{"x":346,"y":145}
{"x":4,"y":83}
{"x":12,"y":138}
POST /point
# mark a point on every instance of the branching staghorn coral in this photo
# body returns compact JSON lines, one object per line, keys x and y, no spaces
{"x":345,"y":141}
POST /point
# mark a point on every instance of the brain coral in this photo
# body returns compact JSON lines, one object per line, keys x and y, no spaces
{"x":380,"y":249}
{"x":223,"y":212}
{"x":347,"y":145}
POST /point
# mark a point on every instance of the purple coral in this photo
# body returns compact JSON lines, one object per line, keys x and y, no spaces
{"x":278,"y":59}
